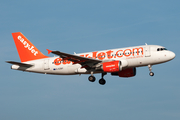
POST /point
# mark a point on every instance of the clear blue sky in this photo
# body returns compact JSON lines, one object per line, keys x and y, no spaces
{"x":83,"y":26}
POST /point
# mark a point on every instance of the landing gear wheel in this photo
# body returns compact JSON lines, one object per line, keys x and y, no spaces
{"x":150,"y":69}
{"x":151,"y":74}
{"x":102,"y":81}
{"x":91,"y":78}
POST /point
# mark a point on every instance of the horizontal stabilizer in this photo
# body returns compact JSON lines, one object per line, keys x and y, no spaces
{"x":20,"y":64}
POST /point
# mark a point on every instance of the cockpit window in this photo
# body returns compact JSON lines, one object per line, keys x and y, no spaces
{"x":161,"y":49}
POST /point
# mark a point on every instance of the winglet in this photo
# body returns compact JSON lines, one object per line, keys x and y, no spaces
{"x":49,"y":51}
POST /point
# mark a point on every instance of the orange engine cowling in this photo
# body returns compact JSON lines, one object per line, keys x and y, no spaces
{"x":129,"y":72}
{"x":113,"y":66}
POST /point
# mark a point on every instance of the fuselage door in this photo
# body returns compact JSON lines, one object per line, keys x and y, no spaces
{"x":46,"y":64}
{"x":147,"y":51}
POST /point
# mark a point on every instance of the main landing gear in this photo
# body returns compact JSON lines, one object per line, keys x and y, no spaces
{"x":150,"y":69}
{"x":91,"y":78}
{"x":101,"y":81}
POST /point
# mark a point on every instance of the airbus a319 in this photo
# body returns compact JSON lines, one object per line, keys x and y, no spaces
{"x":120,"y":62}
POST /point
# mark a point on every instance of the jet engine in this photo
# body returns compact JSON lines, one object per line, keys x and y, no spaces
{"x":114,"y":66}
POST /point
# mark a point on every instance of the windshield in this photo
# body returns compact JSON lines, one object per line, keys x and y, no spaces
{"x":161,"y":49}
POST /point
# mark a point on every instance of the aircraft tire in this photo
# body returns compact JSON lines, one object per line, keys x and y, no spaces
{"x":102,"y":81}
{"x":91,"y":78}
{"x":151,"y":74}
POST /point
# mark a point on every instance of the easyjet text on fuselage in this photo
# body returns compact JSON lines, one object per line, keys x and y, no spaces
{"x":128,"y":53}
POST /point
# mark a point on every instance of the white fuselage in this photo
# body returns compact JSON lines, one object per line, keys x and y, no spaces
{"x":130,"y":57}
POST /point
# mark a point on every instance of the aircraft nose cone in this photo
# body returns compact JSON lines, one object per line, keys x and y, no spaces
{"x":172,"y":55}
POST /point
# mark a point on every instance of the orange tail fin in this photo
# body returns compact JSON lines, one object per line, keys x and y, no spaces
{"x":26,"y":50}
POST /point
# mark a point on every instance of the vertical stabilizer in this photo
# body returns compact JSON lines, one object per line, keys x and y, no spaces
{"x":26,"y":50}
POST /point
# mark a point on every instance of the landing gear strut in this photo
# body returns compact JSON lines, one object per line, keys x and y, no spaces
{"x":102,"y":81}
{"x":150,"y":69}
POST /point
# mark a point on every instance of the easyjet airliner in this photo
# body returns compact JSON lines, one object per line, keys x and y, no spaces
{"x":120,"y":62}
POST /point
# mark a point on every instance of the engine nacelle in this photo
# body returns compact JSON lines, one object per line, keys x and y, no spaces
{"x":129,"y":72}
{"x":114,"y":66}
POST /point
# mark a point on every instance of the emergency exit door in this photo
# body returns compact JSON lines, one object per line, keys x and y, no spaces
{"x":46,"y":64}
{"x":147,"y":51}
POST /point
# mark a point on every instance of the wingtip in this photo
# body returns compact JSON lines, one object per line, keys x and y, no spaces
{"x":7,"y":61}
{"x":49,"y":51}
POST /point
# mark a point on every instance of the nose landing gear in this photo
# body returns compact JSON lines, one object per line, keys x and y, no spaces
{"x":150,"y":69}
{"x":151,"y":74}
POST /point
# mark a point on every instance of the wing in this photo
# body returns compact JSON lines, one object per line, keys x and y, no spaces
{"x":76,"y":59}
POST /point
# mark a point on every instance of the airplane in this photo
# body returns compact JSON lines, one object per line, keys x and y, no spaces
{"x":120,"y":62}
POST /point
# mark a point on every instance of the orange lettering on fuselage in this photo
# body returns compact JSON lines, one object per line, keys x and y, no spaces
{"x":120,"y":54}
{"x":128,"y":53}
{"x":108,"y":54}
{"x":87,"y":55}
{"x":66,"y":62}
{"x":57,"y":61}
{"x":137,"y":50}
{"x":94,"y":55}
{"x":101,"y":56}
